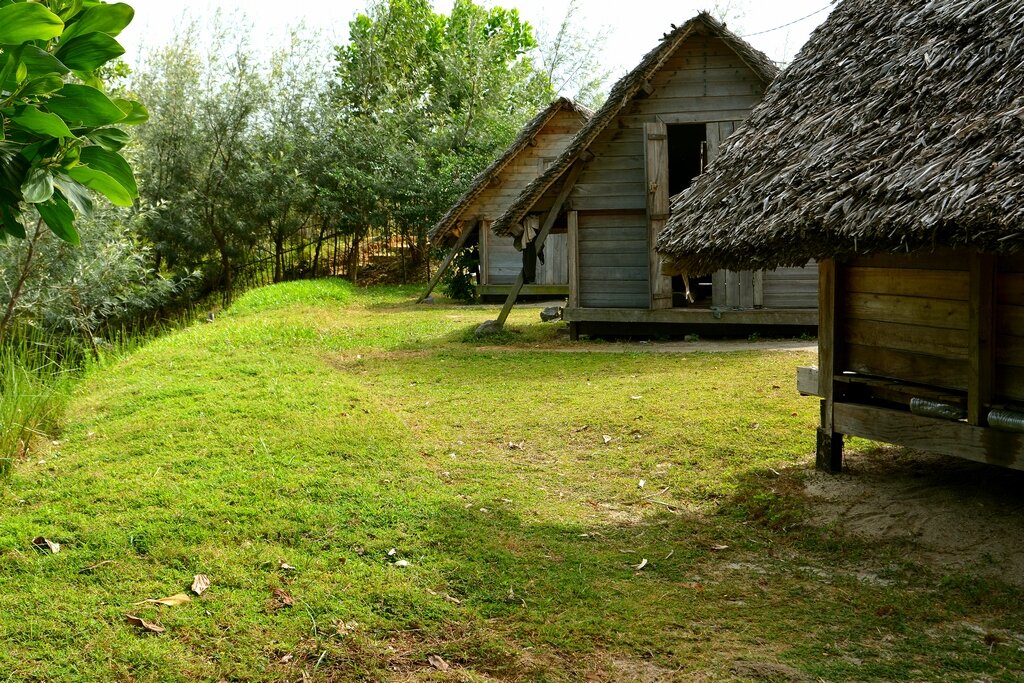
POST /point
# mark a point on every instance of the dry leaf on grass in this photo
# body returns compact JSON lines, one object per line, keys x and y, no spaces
{"x":285,"y":567}
{"x":643,"y":563}
{"x":438,"y":663}
{"x":719,"y":547}
{"x":200,"y":582}
{"x":45,"y":544}
{"x":283,"y":599}
{"x":402,"y":563}
{"x":143,"y":624}
{"x":512,"y":446}
{"x":642,"y":483}
{"x":607,"y":439}
{"x":172,"y":601}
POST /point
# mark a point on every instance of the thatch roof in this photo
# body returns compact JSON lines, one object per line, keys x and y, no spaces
{"x":530,"y":131}
{"x":619,"y":98}
{"x":898,"y":127}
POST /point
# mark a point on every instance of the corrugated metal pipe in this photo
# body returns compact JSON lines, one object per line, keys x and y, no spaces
{"x":1006,"y":420}
{"x":943,"y":411}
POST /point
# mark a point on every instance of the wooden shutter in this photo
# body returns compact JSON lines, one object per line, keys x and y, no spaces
{"x":656,"y":156}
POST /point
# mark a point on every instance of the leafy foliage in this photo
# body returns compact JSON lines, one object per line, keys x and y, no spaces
{"x":59,"y":137}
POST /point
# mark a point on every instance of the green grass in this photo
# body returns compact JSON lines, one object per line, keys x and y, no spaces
{"x":322,"y":426}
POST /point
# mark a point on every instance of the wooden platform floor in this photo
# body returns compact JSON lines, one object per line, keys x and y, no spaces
{"x":689,"y":316}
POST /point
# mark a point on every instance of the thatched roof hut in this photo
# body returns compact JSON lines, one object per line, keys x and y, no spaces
{"x":447,"y":226}
{"x":892,"y":150}
{"x":899,"y":127}
{"x":620,"y":97}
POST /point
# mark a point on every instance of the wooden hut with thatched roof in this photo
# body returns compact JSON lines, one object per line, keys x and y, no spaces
{"x":661,"y":124}
{"x":469,"y":220}
{"x":891,"y":150}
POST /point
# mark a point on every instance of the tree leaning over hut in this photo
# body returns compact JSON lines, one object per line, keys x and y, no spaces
{"x":59,"y":137}
{"x":892,"y":150}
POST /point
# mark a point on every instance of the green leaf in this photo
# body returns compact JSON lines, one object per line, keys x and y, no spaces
{"x":38,"y":187}
{"x":85,"y":105}
{"x":113,"y":164}
{"x":77,"y":195}
{"x":58,"y":215}
{"x":134,"y":112}
{"x":102,"y":183}
{"x":9,"y":220}
{"x":42,"y":123}
{"x":109,"y":19}
{"x":89,"y":51}
{"x":43,"y":85}
{"x":110,"y":139}
{"x":24,"y":21}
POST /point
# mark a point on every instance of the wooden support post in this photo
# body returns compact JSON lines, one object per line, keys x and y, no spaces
{"x":981,"y":338}
{"x":829,"y":443}
{"x":656,"y":161}
{"x":447,"y":262}
{"x":485,"y":252}
{"x":545,"y":229}
{"x":758,"y":289}
{"x":573,"y":253}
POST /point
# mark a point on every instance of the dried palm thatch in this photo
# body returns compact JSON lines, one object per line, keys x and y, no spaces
{"x":620,"y":96}
{"x":445,"y":227}
{"x":899,"y":127}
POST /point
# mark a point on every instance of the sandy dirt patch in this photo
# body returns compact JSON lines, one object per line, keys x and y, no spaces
{"x":956,"y":515}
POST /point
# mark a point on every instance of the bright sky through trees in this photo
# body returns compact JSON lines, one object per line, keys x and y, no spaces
{"x":633,"y":28}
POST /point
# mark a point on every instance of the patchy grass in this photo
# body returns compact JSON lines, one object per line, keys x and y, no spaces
{"x":321,"y":427}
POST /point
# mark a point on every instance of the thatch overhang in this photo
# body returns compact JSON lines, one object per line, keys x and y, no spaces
{"x":448,"y":223}
{"x":508,"y":224}
{"x":899,"y":127}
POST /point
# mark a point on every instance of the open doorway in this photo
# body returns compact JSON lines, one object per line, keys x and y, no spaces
{"x":687,"y":154}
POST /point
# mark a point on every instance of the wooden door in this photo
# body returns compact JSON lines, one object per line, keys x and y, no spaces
{"x":656,"y":165}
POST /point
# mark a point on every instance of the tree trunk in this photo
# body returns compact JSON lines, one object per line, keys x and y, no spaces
{"x":26,"y":269}
{"x":278,"y":256}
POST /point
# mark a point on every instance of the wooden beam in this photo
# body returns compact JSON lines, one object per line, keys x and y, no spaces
{"x":981,"y":337}
{"x":573,"y":249}
{"x":549,"y":222}
{"x":804,"y":317}
{"x":485,"y":252}
{"x":447,"y":262}
{"x":948,"y":437}
{"x":830,"y":440}
{"x":807,"y":381}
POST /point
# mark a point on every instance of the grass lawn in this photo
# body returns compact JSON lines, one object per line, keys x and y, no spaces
{"x":294,"y":443}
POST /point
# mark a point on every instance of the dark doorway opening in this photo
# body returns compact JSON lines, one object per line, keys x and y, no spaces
{"x":687,"y":151}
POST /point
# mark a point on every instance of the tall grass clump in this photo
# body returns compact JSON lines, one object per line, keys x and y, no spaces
{"x":32,"y":392}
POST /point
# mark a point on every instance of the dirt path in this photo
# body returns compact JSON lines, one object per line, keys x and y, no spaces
{"x":956,"y":515}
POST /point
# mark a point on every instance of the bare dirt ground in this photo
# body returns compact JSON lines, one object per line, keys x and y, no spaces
{"x":956,"y":515}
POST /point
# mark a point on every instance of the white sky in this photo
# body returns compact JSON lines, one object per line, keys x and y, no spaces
{"x":635,"y":26}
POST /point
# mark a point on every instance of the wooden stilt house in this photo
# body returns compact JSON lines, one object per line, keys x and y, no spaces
{"x":891,"y":150}
{"x":662,"y":123}
{"x":469,"y":221}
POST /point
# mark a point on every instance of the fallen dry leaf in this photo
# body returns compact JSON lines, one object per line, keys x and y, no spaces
{"x":516,"y":446}
{"x":643,"y":563}
{"x":636,"y":398}
{"x":694,"y":586}
{"x":285,"y":567}
{"x":402,"y":563}
{"x":719,"y":547}
{"x":45,"y":544}
{"x":200,"y":582}
{"x":581,"y":429}
{"x":438,"y":663}
{"x":283,"y":599}
{"x":143,"y":624}
{"x":172,"y":601}
{"x":287,"y":658}
{"x":642,"y":483}
{"x":607,"y":439}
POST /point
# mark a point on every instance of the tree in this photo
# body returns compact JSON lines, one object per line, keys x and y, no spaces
{"x":58,"y":138}
{"x":571,"y":59}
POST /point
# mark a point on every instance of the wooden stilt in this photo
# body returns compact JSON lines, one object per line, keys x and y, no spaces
{"x":829,"y":442}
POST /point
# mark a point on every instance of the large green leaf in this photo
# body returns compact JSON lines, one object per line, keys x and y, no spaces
{"x":111,"y":163}
{"x":89,"y":51}
{"x":40,"y":62}
{"x":134,"y":112}
{"x":109,"y":19}
{"x":102,"y":183}
{"x":38,"y":187}
{"x":111,"y":139}
{"x":85,"y":105}
{"x":58,"y":215}
{"x":25,"y":21}
{"x":77,"y":195}
{"x":9,"y":220}
{"x":42,"y":123}
{"x":43,"y":85}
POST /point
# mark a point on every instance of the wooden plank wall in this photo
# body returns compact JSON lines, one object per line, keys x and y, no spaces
{"x":906,"y":318}
{"x":1009,"y":341}
{"x":613,"y":260}
{"x":504,"y":261}
{"x":791,"y":287}
{"x":703,"y":82}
